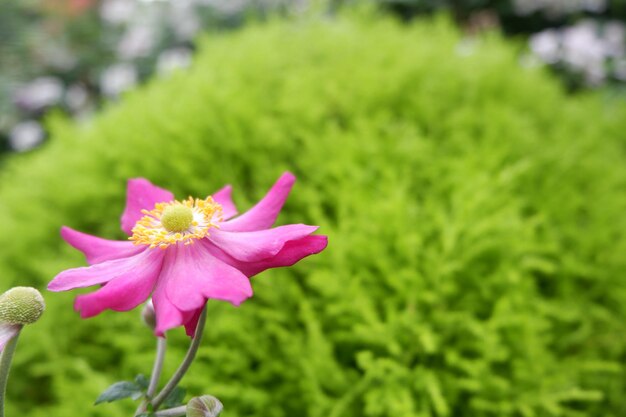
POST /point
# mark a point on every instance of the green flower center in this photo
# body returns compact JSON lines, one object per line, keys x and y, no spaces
{"x":177,"y":218}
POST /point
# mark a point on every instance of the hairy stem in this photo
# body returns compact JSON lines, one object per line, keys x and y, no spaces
{"x":158,"y":367}
{"x":182,"y":369}
{"x":5,"y":366}
{"x":172,"y":412}
{"x":156,"y":374}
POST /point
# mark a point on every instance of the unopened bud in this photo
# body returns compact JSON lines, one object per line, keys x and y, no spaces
{"x":205,"y":406}
{"x":21,"y":305}
{"x":148,"y":315}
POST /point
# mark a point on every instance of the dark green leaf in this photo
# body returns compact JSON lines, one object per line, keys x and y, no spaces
{"x":175,"y":398}
{"x":120,"y":390}
{"x":142,"y":381}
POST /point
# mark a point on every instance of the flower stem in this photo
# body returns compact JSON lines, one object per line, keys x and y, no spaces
{"x":182,"y":369}
{"x":158,"y":367}
{"x":172,"y":412}
{"x":5,"y":366}
{"x":156,"y":374}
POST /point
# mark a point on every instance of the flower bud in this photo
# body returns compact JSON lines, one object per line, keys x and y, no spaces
{"x":205,"y":406}
{"x":148,"y":315}
{"x":21,"y":305}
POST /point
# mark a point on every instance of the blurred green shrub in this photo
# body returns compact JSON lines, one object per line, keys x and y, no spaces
{"x":476,"y":221}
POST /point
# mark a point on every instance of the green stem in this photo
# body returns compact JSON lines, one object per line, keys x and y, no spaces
{"x":156,"y":374}
{"x":5,"y":366}
{"x":182,"y":369}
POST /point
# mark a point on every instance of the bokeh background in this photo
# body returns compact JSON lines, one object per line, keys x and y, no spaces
{"x":466,"y":158}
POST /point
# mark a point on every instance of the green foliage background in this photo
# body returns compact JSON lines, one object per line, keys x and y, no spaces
{"x":475,"y":215}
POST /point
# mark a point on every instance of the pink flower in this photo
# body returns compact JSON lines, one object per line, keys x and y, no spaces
{"x":184,"y":252}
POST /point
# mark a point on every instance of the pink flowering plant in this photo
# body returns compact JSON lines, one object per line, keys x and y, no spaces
{"x":180,"y":254}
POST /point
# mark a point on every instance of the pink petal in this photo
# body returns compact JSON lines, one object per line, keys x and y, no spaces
{"x":8,"y":332}
{"x":223,"y":197}
{"x":167,"y":315}
{"x":192,"y":323}
{"x":192,"y":275}
{"x":124,"y":292}
{"x":292,"y":252}
{"x":102,"y":272}
{"x":259,"y":245}
{"x":141,"y":194}
{"x":264,"y":213}
{"x":96,"y":249}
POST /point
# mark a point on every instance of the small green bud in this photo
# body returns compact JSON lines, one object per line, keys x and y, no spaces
{"x":21,"y":305}
{"x":177,"y":218}
{"x":205,"y":406}
{"x":148,"y":314}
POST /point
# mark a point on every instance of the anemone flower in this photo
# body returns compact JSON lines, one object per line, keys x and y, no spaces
{"x":184,"y":253}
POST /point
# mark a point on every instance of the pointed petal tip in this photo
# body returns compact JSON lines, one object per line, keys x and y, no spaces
{"x":138,"y":179}
{"x":141,"y":194}
{"x":259,"y":245}
{"x":286,"y":178}
{"x":223,"y":196}
{"x":56,"y":285}
{"x":323,"y":243}
{"x":67,"y":234}
{"x":264,"y":213}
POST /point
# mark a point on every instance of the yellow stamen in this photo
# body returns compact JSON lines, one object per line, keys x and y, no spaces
{"x":177,"y":221}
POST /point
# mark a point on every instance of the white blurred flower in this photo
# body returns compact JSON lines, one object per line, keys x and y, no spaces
{"x":118,"y":78}
{"x":585,"y":48}
{"x":137,"y":42}
{"x":76,"y":97}
{"x":183,"y":19}
{"x":595,"y":73}
{"x":173,"y":59}
{"x":227,"y":7}
{"x":57,"y":56}
{"x":582,"y":46}
{"x":558,"y":8}
{"x":25,"y":135}
{"x":595,"y":6}
{"x":546,"y":45}
{"x":117,"y":11}
{"x":614,"y":36}
{"x":39,"y":93}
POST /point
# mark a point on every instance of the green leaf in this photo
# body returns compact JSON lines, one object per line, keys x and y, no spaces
{"x":175,"y":398}
{"x":120,"y":390}
{"x":142,"y":381}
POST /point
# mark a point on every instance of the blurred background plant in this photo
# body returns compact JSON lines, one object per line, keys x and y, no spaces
{"x":72,"y":54}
